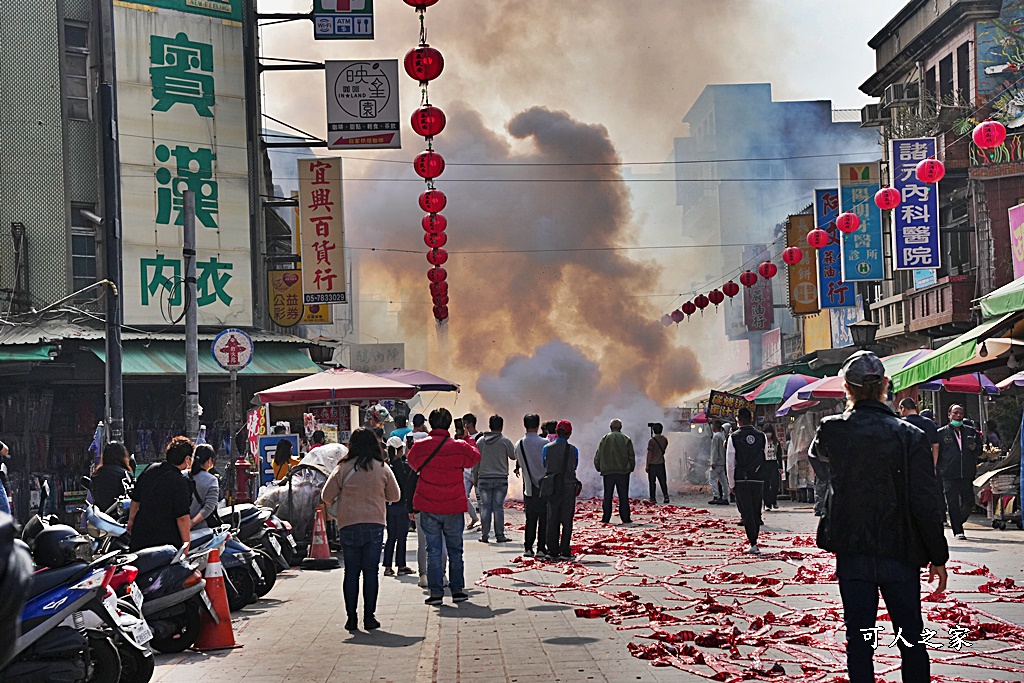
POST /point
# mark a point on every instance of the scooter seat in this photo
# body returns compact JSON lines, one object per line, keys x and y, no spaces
{"x":47,"y":579}
{"x":242,"y":511}
{"x":153,"y":558}
{"x":200,"y":537}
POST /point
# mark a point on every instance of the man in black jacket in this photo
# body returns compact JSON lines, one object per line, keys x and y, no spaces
{"x":744,"y":457}
{"x":883,"y":519}
{"x":959,"y":447}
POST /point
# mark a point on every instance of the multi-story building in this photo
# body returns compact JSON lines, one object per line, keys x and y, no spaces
{"x":748,"y":162}
{"x":942,"y":66}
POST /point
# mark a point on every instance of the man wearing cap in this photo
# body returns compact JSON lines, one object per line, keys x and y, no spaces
{"x":744,"y":457}
{"x":883,"y":519}
{"x":561,"y":459}
{"x":957,"y":465}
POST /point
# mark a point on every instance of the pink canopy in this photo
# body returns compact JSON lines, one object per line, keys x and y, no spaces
{"x":339,"y":384}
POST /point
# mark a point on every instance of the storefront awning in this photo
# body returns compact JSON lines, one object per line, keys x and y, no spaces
{"x":26,"y":353}
{"x":168,"y":358}
{"x":1007,"y":299}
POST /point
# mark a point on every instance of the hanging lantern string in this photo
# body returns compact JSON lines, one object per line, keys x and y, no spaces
{"x":423,"y":25}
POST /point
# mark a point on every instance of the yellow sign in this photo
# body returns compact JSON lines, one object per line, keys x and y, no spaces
{"x":803,"y":276}
{"x":286,"y":309}
{"x":817,"y":333}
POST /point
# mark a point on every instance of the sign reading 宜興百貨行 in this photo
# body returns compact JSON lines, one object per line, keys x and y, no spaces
{"x":343,"y":19}
{"x":322,"y":235}
{"x":861,"y":251}
{"x":182,"y":127}
{"x":832,"y":291}
{"x":915,"y":222}
{"x":362,"y":104}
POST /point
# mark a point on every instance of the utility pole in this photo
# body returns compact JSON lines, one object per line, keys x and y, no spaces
{"x":111,"y":220}
{"x":254,"y":158}
{"x":188,"y":252}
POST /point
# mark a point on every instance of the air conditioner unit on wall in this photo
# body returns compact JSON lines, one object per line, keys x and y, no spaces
{"x":900,"y":93}
{"x":873,"y":115}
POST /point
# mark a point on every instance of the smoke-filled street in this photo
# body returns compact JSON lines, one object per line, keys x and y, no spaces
{"x":670,"y":598}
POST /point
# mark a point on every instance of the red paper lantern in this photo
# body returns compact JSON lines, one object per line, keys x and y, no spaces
{"x":930,"y":171}
{"x":437,"y":274}
{"x":428,"y":165}
{"x":441,"y":300}
{"x":421,"y":4}
{"x":848,"y":222}
{"x":716,"y":297}
{"x":439,"y":288}
{"x":437,"y":257}
{"x":748,"y":278}
{"x":441,"y":313}
{"x":989,"y":134}
{"x":428,"y":121}
{"x":887,"y":198}
{"x":666,"y":320}
{"x":767,"y":270}
{"x":731,"y":289}
{"x":433,"y":201}
{"x":817,"y":238}
{"x":423,"y":63}
{"x":792,"y":255}
{"x":688,"y":309}
{"x":677,"y":316}
{"x":435,"y":240}
{"x":434,"y":222}
{"x":701,"y":301}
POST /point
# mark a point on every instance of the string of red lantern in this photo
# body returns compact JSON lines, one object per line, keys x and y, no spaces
{"x":423,"y":64}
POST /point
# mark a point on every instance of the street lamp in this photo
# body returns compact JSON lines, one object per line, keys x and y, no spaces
{"x":863,"y":333}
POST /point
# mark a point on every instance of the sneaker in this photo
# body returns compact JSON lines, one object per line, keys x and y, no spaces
{"x":423,"y":581}
{"x":754,"y":550}
{"x":666,"y":500}
{"x":503,"y":539}
{"x":528,"y":552}
{"x":714,"y":501}
{"x":483,"y":539}
{"x":388,"y":571}
{"x":404,"y":571}
{"x":739,"y":523}
{"x":566,"y":558}
{"x":961,"y":537}
{"x":370,"y":623}
{"x":472,"y":525}
{"x":352,"y":624}
{"x":775,"y":507}
{"x":460,"y":596}
{"x":652,"y":501}
{"x":434,"y":600}
{"x":626,"y":522}
{"x":541,"y":552}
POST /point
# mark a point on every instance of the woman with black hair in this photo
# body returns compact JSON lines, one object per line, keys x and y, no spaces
{"x":358,"y":490}
{"x":204,"y":485}
{"x":110,"y":479}
{"x":283,"y":459}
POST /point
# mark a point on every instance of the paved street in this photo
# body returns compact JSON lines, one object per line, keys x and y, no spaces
{"x":675,"y":588}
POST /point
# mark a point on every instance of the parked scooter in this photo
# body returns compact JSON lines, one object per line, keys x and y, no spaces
{"x":174,"y":595}
{"x":248,"y":575}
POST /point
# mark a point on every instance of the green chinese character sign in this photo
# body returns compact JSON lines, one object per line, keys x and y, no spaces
{"x":162,"y":273}
{"x":193,"y":170}
{"x":180,"y":73}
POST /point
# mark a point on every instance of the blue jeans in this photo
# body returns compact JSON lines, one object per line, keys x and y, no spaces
{"x":491,"y":493}
{"x":861,"y":577}
{"x":361,"y":545}
{"x":398,"y":533}
{"x":444,"y":531}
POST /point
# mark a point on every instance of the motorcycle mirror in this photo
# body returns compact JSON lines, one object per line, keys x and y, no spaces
{"x":86,"y":483}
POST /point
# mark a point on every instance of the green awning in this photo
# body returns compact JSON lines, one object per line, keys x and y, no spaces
{"x":1007,"y":299}
{"x":950,"y":355}
{"x":26,"y":353}
{"x":168,"y":358}
{"x":795,"y":367}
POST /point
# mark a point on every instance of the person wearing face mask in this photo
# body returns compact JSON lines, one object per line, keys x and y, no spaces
{"x":959,"y":447}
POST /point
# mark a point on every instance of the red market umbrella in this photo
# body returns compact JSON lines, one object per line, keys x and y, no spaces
{"x":338,"y":384}
{"x":973,"y":383}
{"x":777,"y":389}
{"x":699,"y":419}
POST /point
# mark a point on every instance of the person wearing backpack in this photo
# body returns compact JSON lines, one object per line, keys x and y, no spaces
{"x":204,"y":487}
{"x":559,"y":486}
{"x":655,"y":466}
{"x":440,"y":497}
{"x":530,"y":457}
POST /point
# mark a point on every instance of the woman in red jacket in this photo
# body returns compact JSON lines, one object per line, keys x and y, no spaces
{"x":441,"y":500}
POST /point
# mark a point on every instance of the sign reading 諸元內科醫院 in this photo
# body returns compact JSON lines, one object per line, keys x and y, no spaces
{"x":182,"y":127}
{"x":322,"y":232}
{"x":343,"y":19}
{"x":915,"y":222}
{"x":862,"y":250}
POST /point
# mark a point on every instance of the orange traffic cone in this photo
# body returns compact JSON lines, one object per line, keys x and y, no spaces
{"x":319,"y":552}
{"x":216,"y":633}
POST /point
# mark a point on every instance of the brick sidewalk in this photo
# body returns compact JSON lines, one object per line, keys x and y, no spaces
{"x":296,"y":633}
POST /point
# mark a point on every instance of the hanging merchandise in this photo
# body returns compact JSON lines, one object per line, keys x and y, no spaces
{"x":423,"y":64}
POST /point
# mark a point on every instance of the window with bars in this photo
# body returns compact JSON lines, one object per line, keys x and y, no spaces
{"x":83,"y":248}
{"x":76,"y":71}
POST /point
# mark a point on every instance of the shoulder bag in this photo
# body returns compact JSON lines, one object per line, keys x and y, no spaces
{"x":551,"y":483}
{"x":414,"y":476}
{"x":213,"y":519}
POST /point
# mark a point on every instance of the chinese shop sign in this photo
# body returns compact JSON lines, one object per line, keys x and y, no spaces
{"x":915,"y":222}
{"x":861,"y":250}
{"x":758,"y":313}
{"x":724,"y":405}
{"x":362,"y":104}
{"x":803,"y":276}
{"x":832,"y":291}
{"x":286,"y":309}
{"x":322,"y":233}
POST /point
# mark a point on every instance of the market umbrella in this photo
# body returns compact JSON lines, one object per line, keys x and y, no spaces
{"x":699,"y":419}
{"x":794,"y":402}
{"x":1016,"y":380}
{"x":972,"y":383}
{"x":826,"y":387}
{"x":778,"y":389}
{"x":339,"y":384}
{"x":420,"y":379}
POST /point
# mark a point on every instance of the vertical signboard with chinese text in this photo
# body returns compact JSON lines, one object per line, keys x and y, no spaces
{"x":771,"y":348}
{"x":915,"y":222}
{"x":182,"y":127}
{"x":376,"y":357}
{"x":758,"y":314}
{"x":322,"y":235}
{"x":832,"y":291}
{"x":1017,"y":239}
{"x":362,"y":104}
{"x":841,"y":319}
{"x":803,"y":276}
{"x":861,"y":250}
{"x":343,"y":19}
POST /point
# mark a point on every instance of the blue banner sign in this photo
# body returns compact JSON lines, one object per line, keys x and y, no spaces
{"x":832,"y":291}
{"x":915,"y":224}
{"x":862,"y":249}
